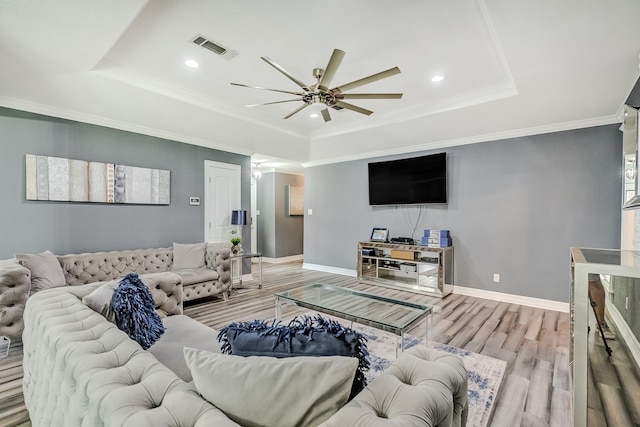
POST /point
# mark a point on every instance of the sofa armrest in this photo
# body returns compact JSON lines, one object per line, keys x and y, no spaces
{"x":15,"y":284}
{"x":218,"y":258}
{"x":422,"y":387}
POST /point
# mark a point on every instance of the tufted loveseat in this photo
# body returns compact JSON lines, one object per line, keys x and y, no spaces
{"x":80,"y":369}
{"x":80,"y":269}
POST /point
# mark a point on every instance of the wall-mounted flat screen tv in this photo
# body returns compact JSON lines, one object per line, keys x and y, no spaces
{"x":416,"y":180}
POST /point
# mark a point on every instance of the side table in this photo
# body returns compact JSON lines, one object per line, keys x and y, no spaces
{"x":5,"y":343}
{"x":236,"y":266}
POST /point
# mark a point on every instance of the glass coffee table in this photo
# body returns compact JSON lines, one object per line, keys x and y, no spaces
{"x":388,"y":314}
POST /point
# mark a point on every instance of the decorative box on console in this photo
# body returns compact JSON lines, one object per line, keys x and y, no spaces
{"x":436,"y":233}
{"x":435,"y":242}
{"x":396,"y":253}
{"x":436,"y":238}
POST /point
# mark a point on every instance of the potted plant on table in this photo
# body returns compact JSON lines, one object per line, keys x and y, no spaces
{"x":236,"y":247}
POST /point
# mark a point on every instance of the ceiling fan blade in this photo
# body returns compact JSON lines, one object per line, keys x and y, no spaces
{"x":372,"y":78}
{"x":272,"y":90}
{"x":275,"y":102}
{"x":370,"y":95}
{"x":325,"y":115}
{"x":353,"y":108}
{"x":297,"y":110}
{"x":331,"y":68}
{"x":285,"y":72}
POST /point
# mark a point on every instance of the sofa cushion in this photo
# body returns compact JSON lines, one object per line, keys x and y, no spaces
{"x":188,"y":255}
{"x":135,"y":311}
{"x":303,"y":336}
{"x":191,"y":276}
{"x":45,"y":268}
{"x":182,"y":331}
{"x":273,"y":391}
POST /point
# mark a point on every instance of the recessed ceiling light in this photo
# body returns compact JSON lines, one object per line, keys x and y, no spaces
{"x":437,"y":78}
{"x":314,"y":115}
{"x":191,"y":63}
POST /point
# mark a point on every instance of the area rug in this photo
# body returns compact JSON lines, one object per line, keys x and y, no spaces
{"x":485,"y":373}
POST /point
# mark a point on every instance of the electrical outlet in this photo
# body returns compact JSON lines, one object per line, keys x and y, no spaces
{"x":496,"y":278}
{"x":309,"y":211}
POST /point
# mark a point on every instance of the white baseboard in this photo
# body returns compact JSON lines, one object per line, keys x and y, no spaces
{"x":463,"y":290}
{"x":329,"y":269}
{"x":512,"y":299}
{"x":282,"y":259}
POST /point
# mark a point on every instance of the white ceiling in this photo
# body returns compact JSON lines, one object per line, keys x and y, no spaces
{"x":511,"y":68}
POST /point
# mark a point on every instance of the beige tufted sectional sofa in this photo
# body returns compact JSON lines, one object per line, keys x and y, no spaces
{"x":81,"y":370}
{"x":80,"y":269}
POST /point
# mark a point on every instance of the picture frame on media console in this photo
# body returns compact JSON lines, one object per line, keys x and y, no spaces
{"x":379,"y":235}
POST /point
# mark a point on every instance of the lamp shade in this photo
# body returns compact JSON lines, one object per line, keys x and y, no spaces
{"x":238,"y":217}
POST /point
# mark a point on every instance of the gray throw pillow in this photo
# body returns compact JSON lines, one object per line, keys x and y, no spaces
{"x":188,"y":255}
{"x":100,"y":300}
{"x":275,"y":392}
{"x":45,"y":268}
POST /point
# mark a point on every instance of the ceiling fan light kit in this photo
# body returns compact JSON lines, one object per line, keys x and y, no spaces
{"x":319,"y":97}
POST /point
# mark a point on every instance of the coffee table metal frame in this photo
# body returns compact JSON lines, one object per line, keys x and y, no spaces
{"x":387,"y":314}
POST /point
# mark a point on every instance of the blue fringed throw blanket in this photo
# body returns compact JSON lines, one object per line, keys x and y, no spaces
{"x":303,"y":336}
{"x":135,"y":311}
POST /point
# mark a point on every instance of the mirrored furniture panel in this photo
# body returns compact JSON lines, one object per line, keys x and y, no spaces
{"x":619,"y":272}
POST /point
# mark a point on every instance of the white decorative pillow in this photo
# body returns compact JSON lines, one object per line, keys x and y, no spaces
{"x":287,"y":392}
{"x":45,"y":268}
{"x":189,"y":255}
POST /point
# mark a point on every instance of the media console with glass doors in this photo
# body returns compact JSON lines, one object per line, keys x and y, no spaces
{"x":416,"y":268}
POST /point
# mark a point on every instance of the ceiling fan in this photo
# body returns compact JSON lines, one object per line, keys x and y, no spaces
{"x":320,"y":97}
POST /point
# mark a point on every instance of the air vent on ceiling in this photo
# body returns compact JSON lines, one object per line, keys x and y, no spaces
{"x":215,"y":47}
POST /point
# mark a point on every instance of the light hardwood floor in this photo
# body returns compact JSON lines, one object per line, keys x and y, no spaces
{"x":534,"y":342}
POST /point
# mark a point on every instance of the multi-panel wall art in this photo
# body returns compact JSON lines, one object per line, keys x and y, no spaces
{"x":69,"y":180}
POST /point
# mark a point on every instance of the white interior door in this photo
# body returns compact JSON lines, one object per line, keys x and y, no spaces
{"x":222,"y":195}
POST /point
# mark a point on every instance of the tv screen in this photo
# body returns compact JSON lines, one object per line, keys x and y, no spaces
{"x":417,"y":180}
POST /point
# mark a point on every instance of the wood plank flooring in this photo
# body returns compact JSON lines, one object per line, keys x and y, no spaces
{"x":534,"y":342}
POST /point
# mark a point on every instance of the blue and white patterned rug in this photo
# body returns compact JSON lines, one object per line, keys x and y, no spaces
{"x":485,"y":373}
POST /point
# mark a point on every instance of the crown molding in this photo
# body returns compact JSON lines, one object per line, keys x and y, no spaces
{"x":47,"y":110}
{"x":497,"y":136}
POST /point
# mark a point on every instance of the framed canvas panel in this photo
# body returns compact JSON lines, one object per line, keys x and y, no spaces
{"x":295,"y":195}
{"x":69,"y":180}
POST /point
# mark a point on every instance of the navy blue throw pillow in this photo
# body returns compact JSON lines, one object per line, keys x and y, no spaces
{"x":303,"y":336}
{"x":135,"y":311}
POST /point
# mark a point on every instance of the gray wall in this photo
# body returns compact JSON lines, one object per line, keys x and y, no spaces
{"x":279,"y":235}
{"x":515,"y":208}
{"x":62,"y":227}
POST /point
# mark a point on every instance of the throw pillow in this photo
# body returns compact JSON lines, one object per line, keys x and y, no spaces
{"x":189,"y":255}
{"x":45,"y":268}
{"x":135,"y":311}
{"x":303,"y":336}
{"x":272,"y":391}
{"x":99,"y":300}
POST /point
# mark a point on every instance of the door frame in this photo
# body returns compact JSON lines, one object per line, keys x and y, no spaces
{"x":208,"y":208}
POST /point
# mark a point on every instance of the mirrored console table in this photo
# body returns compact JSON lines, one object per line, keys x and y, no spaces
{"x":620,"y":273}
